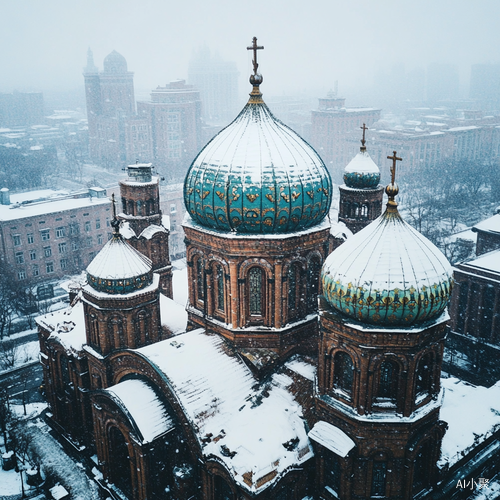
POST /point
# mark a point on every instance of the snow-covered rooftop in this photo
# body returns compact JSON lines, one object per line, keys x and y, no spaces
{"x":489,"y":261}
{"x":47,"y":203}
{"x":148,"y":412}
{"x":257,"y":431}
{"x":472,"y":413}
{"x":332,"y":437}
{"x":491,"y":225}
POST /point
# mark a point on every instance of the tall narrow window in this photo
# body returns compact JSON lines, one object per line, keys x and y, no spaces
{"x":421,"y":467}
{"x":199,"y":280}
{"x":388,"y":382}
{"x":343,"y":372}
{"x":332,"y":471}
{"x":379,"y":474}
{"x":313,"y":273}
{"x":220,"y":287}
{"x":424,"y":375}
{"x":255,"y":279}
{"x":292,"y":289}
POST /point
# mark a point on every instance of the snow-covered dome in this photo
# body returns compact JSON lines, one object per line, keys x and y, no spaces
{"x":388,"y":273}
{"x":119,"y":268}
{"x":362,"y":172}
{"x":257,"y":176}
{"x":115,"y":63}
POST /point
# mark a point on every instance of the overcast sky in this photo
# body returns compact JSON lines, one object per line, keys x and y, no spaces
{"x":308,"y":43}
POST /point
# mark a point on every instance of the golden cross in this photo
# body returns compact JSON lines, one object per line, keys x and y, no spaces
{"x":113,"y":201}
{"x":394,"y":158}
{"x":255,"y":48}
{"x":365,"y":128}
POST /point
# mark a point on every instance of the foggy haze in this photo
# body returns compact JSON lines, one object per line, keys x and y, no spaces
{"x":309,"y":44}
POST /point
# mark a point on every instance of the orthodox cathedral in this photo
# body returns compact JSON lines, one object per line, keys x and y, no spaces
{"x":297,"y":373}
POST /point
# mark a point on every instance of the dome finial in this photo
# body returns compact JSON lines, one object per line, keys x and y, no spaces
{"x":392,"y":189}
{"x":363,"y":141}
{"x":115,"y":223}
{"x":255,"y":79}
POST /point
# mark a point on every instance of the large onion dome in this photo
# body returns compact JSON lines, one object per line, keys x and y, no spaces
{"x":257,"y":176}
{"x":119,"y":268}
{"x":388,"y":274}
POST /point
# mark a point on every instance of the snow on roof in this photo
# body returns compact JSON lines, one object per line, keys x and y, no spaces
{"x":67,"y":326}
{"x":59,"y":492}
{"x":298,"y":365}
{"x":491,"y":225}
{"x":340,"y":230}
{"x":472,"y":413}
{"x":362,"y":163}
{"x":173,"y":315}
{"x":142,"y":404}
{"x":257,"y":431}
{"x":165,"y":221}
{"x":126,"y":231}
{"x":14,"y":211}
{"x":489,"y":261}
{"x":151,"y":230}
{"x":332,"y":437}
{"x":118,"y":260}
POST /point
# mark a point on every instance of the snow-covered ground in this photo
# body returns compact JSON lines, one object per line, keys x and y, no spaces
{"x":20,"y":355}
{"x":472,"y":413}
{"x":53,"y":460}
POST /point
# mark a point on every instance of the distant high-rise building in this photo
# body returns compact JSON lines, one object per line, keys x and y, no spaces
{"x":218,"y":84}
{"x":442,"y":82}
{"x":116,"y":133}
{"x":330,"y":125}
{"x":174,"y":115}
{"x":21,"y":108}
{"x":485,"y":85}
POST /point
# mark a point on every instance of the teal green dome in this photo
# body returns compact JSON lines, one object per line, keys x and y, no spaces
{"x":362,"y":172}
{"x":388,"y":274}
{"x":257,"y":176}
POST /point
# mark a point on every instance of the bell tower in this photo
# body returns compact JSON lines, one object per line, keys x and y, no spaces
{"x":361,"y":195}
{"x":143,"y":219}
{"x":382,"y":333}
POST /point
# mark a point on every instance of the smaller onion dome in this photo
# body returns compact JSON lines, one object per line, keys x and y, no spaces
{"x":388,"y":274}
{"x":119,"y":268}
{"x":115,"y":63}
{"x":362,"y":172}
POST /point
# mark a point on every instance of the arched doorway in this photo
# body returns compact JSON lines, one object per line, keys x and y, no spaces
{"x":119,"y":472}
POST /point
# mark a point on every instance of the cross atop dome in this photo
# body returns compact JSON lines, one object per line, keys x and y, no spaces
{"x":363,"y":140}
{"x":255,"y":48}
{"x":392,"y":189}
{"x":255,"y":79}
{"x":115,"y":223}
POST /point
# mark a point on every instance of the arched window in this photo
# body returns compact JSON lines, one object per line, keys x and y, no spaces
{"x":141,"y":328}
{"x":379,"y":476}
{"x":255,"y":291}
{"x":294,"y":291}
{"x":94,"y":329}
{"x":139,"y":207}
{"x":364,"y":210}
{"x":463,"y":295}
{"x":331,"y":471}
{"x":120,"y":473}
{"x":343,"y":372}
{"x":116,"y":333}
{"x":313,"y":273}
{"x":424,"y":375}
{"x":200,"y":291}
{"x":388,"y":381}
{"x":222,"y":490}
{"x":219,"y":287}
{"x":422,"y":463}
